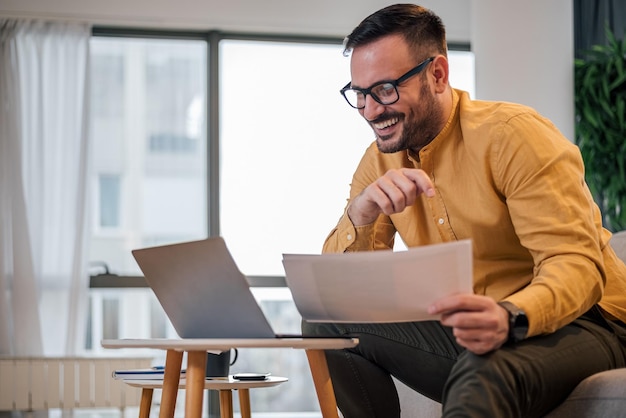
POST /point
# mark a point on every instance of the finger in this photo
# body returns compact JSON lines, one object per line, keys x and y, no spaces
{"x":474,"y":334}
{"x":478,"y":347}
{"x":495,"y":336}
{"x":459,"y":302}
{"x":421,"y":180}
{"x":463,"y":319}
{"x":380,"y":198}
{"x":399,"y":190}
{"x":482,"y":320}
{"x":396,"y":193}
{"x":482,"y":343}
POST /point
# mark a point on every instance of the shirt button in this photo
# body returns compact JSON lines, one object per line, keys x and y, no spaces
{"x":441,"y":221}
{"x":349,"y":237}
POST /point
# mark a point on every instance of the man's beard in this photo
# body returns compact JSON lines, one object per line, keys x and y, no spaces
{"x":417,"y":132}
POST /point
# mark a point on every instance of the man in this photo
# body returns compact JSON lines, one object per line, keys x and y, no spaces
{"x":549,"y":292}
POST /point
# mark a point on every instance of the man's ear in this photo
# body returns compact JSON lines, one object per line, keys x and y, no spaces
{"x":440,"y":73}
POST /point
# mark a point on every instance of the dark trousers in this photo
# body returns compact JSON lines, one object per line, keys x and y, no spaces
{"x":527,"y":379}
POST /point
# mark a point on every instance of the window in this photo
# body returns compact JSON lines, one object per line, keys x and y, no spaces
{"x":288,"y":143}
{"x":148,"y":129}
{"x":109,"y":202}
{"x":289,"y":146}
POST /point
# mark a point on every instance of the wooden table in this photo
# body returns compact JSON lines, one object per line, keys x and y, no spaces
{"x":197,"y":348}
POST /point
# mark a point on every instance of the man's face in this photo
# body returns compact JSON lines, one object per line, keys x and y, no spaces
{"x":416,"y":118}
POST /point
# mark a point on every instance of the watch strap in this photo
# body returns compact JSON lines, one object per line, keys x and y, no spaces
{"x":518,"y":322}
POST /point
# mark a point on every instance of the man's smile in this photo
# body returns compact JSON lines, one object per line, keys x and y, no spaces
{"x":386,"y":123}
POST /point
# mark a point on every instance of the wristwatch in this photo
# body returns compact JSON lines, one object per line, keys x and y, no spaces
{"x":518,"y":322}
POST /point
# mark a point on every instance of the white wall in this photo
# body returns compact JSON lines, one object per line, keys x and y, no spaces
{"x":524,"y":49}
{"x":524,"y":53}
{"x":317,"y":17}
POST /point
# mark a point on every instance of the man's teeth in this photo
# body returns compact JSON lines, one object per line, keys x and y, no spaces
{"x":386,"y":124}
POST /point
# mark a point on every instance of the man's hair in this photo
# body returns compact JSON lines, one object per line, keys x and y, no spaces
{"x":421,"y":28}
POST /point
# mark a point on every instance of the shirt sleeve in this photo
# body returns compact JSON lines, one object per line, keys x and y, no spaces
{"x":378,"y":235}
{"x":346,"y":237}
{"x":541,"y":176}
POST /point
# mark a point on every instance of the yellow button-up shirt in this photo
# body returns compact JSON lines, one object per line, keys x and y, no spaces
{"x":507,"y":179}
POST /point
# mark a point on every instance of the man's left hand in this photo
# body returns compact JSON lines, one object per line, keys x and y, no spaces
{"x":478,"y":322}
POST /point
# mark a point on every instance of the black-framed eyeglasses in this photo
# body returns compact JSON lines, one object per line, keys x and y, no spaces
{"x":384,"y":92}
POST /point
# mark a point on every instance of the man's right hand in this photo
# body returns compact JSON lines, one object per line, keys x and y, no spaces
{"x":389,"y":194}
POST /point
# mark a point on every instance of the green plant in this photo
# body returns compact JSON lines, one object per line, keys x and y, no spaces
{"x":600,"y":100}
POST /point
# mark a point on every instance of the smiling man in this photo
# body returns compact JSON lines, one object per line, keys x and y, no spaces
{"x":549,"y":293}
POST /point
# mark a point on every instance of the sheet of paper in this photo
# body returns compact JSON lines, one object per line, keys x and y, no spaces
{"x":378,"y":286}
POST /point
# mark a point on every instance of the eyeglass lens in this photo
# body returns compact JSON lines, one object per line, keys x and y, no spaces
{"x":384,"y":93}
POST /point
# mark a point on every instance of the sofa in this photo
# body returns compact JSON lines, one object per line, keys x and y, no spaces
{"x":602,"y":395}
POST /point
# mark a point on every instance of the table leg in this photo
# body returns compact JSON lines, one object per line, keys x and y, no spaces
{"x":244,"y":403}
{"x":322,"y":382}
{"x":226,"y":403}
{"x":196,"y":369}
{"x":146,"y":402}
{"x":171,"y":378}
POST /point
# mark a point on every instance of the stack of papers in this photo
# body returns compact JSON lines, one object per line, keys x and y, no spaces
{"x":153,"y":373}
{"x":378,"y":286}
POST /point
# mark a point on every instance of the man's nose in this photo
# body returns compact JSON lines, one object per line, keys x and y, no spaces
{"x":372,"y":108}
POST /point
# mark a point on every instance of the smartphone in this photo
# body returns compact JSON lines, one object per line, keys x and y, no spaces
{"x":251,"y":376}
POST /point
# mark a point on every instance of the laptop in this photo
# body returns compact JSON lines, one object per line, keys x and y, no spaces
{"x":202,"y":291}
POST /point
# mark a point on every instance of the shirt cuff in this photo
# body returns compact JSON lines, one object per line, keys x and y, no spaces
{"x":355,"y":238}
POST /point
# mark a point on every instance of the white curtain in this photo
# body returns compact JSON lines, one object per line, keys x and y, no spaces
{"x":43,"y":179}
